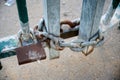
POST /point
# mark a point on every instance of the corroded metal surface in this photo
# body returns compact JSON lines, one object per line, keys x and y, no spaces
{"x":30,"y":53}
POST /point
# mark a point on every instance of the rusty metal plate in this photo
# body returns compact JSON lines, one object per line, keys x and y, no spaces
{"x":30,"y":53}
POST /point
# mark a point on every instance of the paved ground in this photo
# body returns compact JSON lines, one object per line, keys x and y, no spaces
{"x":102,"y":64}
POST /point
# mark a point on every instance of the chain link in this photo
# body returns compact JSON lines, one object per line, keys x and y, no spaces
{"x":58,"y":43}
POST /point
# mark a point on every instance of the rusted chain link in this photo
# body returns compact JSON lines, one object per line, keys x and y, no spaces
{"x":54,"y":40}
{"x":71,"y":24}
{"x":58,"y":44}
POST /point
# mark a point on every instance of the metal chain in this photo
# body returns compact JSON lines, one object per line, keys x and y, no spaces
{"x":58,"y":43}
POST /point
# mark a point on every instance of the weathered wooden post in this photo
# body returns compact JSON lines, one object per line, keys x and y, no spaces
{"x":52,"y":21}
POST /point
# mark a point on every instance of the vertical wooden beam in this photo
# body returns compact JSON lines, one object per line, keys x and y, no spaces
{"x":52,"y":21}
